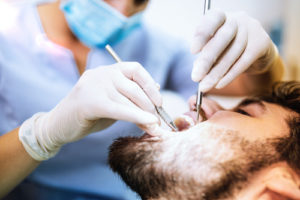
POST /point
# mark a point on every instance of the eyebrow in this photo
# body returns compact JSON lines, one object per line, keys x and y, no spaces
{"x":250,"y":101}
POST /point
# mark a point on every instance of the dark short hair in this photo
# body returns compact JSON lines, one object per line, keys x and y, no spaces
{"x":287,"y":95}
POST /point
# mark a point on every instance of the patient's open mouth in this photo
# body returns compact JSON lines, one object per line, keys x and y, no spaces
{"x":186,"y":120}
{"x":183,"y":122}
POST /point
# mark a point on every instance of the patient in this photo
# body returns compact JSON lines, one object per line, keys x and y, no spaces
{"x":249,"y":153}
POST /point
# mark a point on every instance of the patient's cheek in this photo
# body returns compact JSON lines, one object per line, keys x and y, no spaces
{"x":184,"y":122}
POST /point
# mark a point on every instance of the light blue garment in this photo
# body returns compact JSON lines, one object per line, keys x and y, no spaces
{"x":35,"y":74}
{"x":96,"y":23}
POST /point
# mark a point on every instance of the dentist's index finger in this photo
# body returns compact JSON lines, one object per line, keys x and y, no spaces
{"x":208,"y":26}
{"x":134,"y":93}
{"x":137,"y":73}
{"x":212,"y":51}
{"x":155,"y":130}
{"x":226,"y":61}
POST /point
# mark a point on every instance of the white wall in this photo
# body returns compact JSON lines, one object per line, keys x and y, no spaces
{"x":291,"y":48}
{"x":180,"y":17}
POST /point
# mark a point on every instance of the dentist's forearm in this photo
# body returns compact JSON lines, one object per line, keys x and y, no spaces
{"x":15,"y":163}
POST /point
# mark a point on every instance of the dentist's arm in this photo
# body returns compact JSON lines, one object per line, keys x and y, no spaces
{"x":124,"y":91}
{"x":235,"y":54}
{"x":15,"y":162}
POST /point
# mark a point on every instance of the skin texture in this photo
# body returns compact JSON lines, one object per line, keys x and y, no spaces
{"x":16,"y":163}
{"x":215,"y":159}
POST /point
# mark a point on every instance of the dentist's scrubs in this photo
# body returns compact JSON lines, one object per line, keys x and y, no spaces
{"x":35,"y":74}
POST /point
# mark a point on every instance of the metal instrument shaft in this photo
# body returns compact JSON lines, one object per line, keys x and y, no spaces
{"x":199,"y":92}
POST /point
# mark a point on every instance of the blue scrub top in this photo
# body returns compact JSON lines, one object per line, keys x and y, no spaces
{"x":35,"y":74}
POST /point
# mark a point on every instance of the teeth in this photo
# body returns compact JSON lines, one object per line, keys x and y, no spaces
{"x":184,"y":122}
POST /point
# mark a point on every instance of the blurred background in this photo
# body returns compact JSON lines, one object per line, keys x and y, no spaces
{"x":281,"y":19}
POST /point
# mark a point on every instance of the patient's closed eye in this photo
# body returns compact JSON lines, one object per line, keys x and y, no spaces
{"x":241,"y":111}
{"x":251,"y":108}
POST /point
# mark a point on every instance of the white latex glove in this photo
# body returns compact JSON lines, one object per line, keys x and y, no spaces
{"x":123,"y":91}
{"x":228,"y":45}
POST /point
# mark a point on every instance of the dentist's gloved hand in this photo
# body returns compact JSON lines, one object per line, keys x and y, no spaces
{"x":123,"y":91}
{"x":228,"y":45}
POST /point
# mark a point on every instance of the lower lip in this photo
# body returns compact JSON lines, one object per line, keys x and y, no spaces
{"x":146,"y":136}
{"x":149,"y":137}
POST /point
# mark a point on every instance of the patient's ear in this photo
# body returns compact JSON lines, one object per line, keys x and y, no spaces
{"x":282,"y":183}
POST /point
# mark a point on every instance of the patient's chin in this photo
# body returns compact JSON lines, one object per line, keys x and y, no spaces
{"x":128,"y":151}
{"x":119,"y":151}
{"x":133,"y":158}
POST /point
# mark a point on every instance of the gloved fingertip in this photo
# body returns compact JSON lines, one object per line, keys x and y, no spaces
{"x":205,"y":87}
{"x":194,"y":48}
{"x":154,"y":130}
{"x":153,"y":119}
{"x":195,"y":77}
{"x":157,"y":86}
{"x":197,"y":74}
{"x":222,"y":83}
{"x":151,"y":129}
{"x":197,"y":44}
{"x":144,"y":118}
{"x":200,"y":69}
{"x":219,"y":85}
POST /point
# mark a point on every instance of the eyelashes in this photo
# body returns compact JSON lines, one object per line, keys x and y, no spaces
{"x":243,"y":112}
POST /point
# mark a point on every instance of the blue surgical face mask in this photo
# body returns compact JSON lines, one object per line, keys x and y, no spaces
{"x":96,"y":24}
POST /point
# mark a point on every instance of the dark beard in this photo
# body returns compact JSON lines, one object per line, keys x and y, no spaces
{"x":135,"y":167}
{"x":134,"y":160}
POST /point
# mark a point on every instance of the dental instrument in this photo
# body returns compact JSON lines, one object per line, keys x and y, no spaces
{"x":200,"y":93}
{"x":159,"y":109}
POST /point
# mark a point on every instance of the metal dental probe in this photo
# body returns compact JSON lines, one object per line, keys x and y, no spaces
{"x":200,"y":93}
{"x":159,"y":109}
